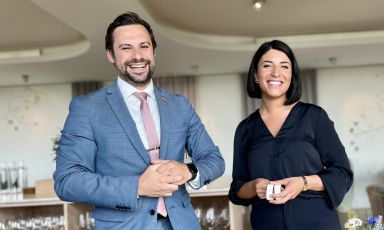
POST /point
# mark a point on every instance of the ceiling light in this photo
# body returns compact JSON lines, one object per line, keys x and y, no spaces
{"x":20,"y":54}
{"x":257,"y":4}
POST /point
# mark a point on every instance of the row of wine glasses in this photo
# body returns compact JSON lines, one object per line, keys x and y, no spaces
{"x":213,"y":218}
{"x":86,"y":222}
{"x":13,"y":178}
{"x":38,"y":223}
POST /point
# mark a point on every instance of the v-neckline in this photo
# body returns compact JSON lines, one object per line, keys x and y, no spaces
{"x":282,"y":126}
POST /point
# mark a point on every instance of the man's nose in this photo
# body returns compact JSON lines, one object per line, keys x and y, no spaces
{"x":137,"y":54}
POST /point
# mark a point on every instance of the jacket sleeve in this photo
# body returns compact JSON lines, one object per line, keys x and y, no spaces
{"x":240,"y":172}
{"x":337,"y":175}
{"x":75,"y":177}
{"x":204,"y":153}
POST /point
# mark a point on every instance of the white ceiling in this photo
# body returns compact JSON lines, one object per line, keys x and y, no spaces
{"x":200,"y":37}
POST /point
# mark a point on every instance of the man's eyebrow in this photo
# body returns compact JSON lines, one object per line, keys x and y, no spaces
{"x":124,"y":44}
{"x":146,"y":43}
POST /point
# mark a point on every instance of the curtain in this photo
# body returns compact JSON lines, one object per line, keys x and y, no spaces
{"x":184,"y":85}
{"x":81,"y":88}
{"x":308,"y":79}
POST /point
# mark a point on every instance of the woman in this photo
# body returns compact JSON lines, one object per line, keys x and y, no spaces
{"x":290,"y":143}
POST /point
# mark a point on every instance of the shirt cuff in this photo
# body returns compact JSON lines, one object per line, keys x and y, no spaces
{"x":195,"y":184}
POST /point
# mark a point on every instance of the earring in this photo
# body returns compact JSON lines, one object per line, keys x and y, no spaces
{"x":257,"y":82}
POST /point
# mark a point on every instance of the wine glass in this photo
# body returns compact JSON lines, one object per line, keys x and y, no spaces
{"x":224,"y":219}
{"x":210,"y":218}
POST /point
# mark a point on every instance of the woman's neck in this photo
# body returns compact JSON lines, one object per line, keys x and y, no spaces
{"x":272,"y":106}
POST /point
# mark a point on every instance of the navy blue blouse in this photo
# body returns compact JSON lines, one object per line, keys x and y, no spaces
{"x":306,"y":144}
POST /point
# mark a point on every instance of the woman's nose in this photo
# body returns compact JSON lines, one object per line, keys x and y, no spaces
{"x":275,"y":71}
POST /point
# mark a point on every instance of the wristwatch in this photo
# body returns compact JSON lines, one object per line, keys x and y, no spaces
{"x":305,"y":186}
{"x":192,"y":168}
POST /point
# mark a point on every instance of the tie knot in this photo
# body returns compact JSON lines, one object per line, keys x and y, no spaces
{"x":141,"y":95}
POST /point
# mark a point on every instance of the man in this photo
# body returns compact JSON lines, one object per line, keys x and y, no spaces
{"x":122,"y":147}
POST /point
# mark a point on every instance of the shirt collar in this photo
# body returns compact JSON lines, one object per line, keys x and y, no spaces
{"x":127,"y":89}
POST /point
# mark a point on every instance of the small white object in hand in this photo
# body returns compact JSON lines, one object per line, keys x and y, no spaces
{"x":273,"y":189}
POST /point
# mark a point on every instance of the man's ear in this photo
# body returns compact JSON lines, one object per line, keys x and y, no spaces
{"x":110,"y":57}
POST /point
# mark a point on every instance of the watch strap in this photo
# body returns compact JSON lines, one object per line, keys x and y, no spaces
{"x":192,"y":168}
{"x":305,"y":186}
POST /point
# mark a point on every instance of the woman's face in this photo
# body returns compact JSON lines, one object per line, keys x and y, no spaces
{"x":274,"y":74}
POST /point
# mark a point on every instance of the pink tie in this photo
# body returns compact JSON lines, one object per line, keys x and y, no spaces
{"x":153,"y":140}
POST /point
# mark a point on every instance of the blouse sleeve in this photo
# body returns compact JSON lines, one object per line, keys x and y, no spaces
{"x":240,"y":172}
{"x":337,"y":175}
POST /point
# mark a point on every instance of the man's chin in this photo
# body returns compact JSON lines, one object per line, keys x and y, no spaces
{"x":136,"y":81}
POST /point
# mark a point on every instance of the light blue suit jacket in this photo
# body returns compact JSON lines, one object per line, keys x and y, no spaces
{"x":101,"y":156}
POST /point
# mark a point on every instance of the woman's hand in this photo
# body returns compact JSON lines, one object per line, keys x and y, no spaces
{"x":260,"y":186}
{"x":257,"y":187}
{"x":293,"y":186}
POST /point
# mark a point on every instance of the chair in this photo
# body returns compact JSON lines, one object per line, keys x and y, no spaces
{"x":376,"y":198}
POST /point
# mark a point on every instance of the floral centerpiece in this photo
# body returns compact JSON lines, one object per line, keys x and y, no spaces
{"x":354,"y":223}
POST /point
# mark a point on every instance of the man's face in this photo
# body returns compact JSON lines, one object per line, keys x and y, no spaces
{"x":133,"y":55}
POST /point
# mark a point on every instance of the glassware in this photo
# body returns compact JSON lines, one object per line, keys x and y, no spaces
{"x":3,"y":182}
{"x":22,"y":176}
{"x":38,"y":223}
{"x":199,"y":213}
{"x":224,"y":219}
{"x":210,"y":218}
{"x":15,"y":180}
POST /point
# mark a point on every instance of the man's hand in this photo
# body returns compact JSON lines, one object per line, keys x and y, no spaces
{"x":155,"y":184}
{"x":174,"y":169}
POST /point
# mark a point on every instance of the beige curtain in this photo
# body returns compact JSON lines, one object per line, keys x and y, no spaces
{"x":81,"y":88}
{"x":308,"y":79}
{"x":184,"y":85}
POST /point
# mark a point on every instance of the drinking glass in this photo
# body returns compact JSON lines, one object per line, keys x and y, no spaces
{"x":3,"y":181}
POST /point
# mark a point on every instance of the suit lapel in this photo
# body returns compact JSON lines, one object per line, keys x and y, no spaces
{"x":120,"y":110}
{"x":163,"y":105}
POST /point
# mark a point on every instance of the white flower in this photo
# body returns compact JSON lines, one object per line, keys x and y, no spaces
{"x":353,"y":223}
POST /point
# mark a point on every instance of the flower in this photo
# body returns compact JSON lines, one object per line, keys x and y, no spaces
{"x":354,"y":223}
{"x":373,"y":220}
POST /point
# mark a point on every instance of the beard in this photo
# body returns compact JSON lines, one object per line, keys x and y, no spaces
{"x":136,"y":81}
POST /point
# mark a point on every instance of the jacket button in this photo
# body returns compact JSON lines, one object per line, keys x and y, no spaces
{"x":207,"y":181}
{"x":152,"y":212}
